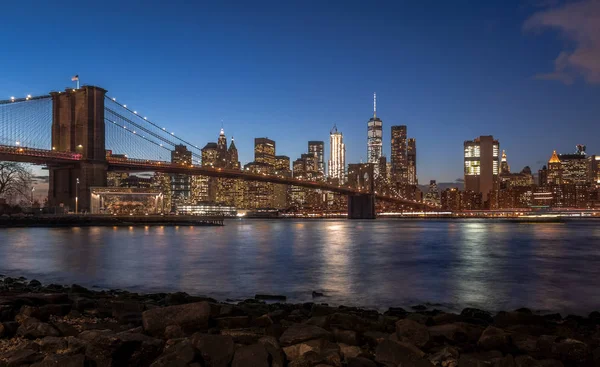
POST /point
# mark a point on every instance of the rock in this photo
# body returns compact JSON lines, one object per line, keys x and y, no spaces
{"x":449,"y":318}
{"x":351,"y":322}
{"x":244,"y":336}
{"x":46,"y":311}
{"x":525,"y":343}
{"x":234,"y":322}
{"x":526,"y":361}
{"x":413,"y":332}
{"x":54,"y":360}
{"x":216,"y":350}
{"x":32,"y":328}
{"x":34,"y":283}
{"x":374,"y":337}
{"x":254,"y":355}
{"x":173,"y":332}
{"x":321,"y":310}
{"x":76,"y":288}
{"x":270,"y":297}
{"x":479,"y":359}
{"x":456,"y":333}
{"x":192,"y":316}
{"x":571,"y":350}
{"x":477,"y":314}
{"x":505,"y":319}
{"x":8,"y":329}
{"x":445,"y":357}
{"x":321,"y":347}
{"x":551,"y":363}
{"x":346,"y":336}
{"x":317,"y":294}
{"x":349,"y":351}
{"x":320,"y":321}
{"x":76,"y":345}
{"x":360,"y":362}
{"x":52,"y":344}
{"x":419,"y":307}
{"x":420,"y":318}
{"x":390,"y":353}
{"x":553,"y":317}
{"x":275,"y":352}
{"x":395,"y":311}
{"x":21,"y":357}
{"x":506,"y":361}
{"x":493,"y":338}
{"x":298,"y":333}
{"x":179,"y":354}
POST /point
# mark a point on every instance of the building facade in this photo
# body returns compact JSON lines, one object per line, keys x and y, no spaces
{"x":374,"y":137}
{"x":481,"y":165}
{"x":317,"y":148}
{"x":337,"y":157}
{"x":181,"y":183}
{"x":411,"y":155}
{"x":399,"y":158}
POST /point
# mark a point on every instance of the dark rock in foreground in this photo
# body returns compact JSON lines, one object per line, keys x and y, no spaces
{"x":72,"y":326}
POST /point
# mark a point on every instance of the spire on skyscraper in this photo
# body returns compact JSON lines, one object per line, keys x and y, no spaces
{"x":374,"y":104}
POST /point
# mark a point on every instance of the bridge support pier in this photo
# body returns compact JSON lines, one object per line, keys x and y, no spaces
{"x":361,"y":206}
{"x":78,"y":127}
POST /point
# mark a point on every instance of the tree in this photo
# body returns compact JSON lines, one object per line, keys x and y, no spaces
{"x":15,"y":181}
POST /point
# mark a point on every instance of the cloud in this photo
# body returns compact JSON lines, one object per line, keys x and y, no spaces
{"x":459,"y":180}
{"x":579,"y":23}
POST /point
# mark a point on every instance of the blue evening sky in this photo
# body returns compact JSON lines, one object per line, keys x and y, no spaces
{"x":290,"y":70}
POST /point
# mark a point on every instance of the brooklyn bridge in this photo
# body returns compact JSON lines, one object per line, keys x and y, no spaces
{"x":82,"y":134}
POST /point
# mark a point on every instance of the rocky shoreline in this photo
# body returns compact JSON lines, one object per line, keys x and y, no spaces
{"x":54,"y":325}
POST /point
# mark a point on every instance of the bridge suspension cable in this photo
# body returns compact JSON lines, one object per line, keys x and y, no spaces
{"x":26,"y":122}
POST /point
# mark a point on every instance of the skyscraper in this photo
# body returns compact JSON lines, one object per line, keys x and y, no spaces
{"x":481,"y":164}
{"x":374,"y":136}
{"x":317,"y":148}
{"x":264,"y":151}
{"x":180,"y":183}
{"x":337,"y":156}
{"x":411,"y":155}
{"x":399,"y":158}
{"x":504,"y":167}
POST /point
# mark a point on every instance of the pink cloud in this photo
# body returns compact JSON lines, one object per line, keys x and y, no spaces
{"x":579,"y":23}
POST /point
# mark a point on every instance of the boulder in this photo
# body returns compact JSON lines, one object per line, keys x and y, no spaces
{"x":244,"y":336}
{"x":458,"y":332}
{"x":551,"y":363}
{"x":60,"y":360}
{"x":484,"y":359}
{"x":321,"y":347}
{"x":173,"y":332}
{"x":275,"y":352}
{"x":52,"y":344}
{"x":21,"y":357}
{"x":474,"y":314}
{"x":144,"y":349}
{"x":445,"y":357}
{"x":505,"y":319}
{"x":412,"y":331}
{"x":526,"y":361}
{"x":351,"y":322}
{"x":571,"y":350}
{"x":32,"y":328}
{"x":390,"y":353}
{"x":180,"y":354}
{"x":192,"y":316}
{"x":349,"y":351}
{"x":298,"y":333}
{"x":216,"y":350}
{"x":346,"y":336}
{"x":360,"y":362}
{"x":493,"y":338}
{"x":254,"y":355}
{"x":233,"y":322}
{"x":374,"y":337}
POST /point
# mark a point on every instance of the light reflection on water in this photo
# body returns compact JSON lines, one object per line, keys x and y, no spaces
{"x":457,"y":263}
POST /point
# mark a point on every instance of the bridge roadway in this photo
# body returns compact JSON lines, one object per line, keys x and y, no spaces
{"x":49,"y":157}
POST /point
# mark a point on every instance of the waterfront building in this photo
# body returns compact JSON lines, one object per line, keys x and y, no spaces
{"x":264,"y":151}
{"x":399,"y":158}
{"x":432,"y":196}
{"x":555,"y":170}
{"x":181,"y":183}
{"x":374,"y":138}
{"x":259,"y":195}
{"x":282,"y":192}
{"x":317,"y":148}
{"x":575,"y":167}
{"x":126,"y":201}
{"x":594,"y":170}
{"x":138,"y":182}
{"x":471,"y":200}
{"x":207,"y":209}
{"x":481,"y":164}
{"x":337,"y":157}
{"x":411,"y":156}
{"x":451,"y":199}
{"x":543,"y":176}
{"x":161,"y":182}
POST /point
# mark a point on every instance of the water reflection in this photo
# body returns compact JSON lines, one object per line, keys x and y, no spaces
{"x":493,"y":265}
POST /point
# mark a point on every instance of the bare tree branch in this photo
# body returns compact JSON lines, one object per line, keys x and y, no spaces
{"x":15,"y":181}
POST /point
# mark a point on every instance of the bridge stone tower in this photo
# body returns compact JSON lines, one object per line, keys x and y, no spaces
{"x":362,"y":206}
{"x":78,"y":127}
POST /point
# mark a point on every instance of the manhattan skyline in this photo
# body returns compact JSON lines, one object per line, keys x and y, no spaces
{"x":449,"y":74}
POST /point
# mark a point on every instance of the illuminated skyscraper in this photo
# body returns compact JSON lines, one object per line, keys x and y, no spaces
{"x":411,"y":155}
{"x":481,"y":164}
{"x":374,"y":137}
{"x":180,"y":183}
{"x":399,"y":158}
{"x":337,"y":156}
{"x":264,"y":151}
{"x":504,"y":167}
{"x":317,"y":148}
{"x":555,"y":170}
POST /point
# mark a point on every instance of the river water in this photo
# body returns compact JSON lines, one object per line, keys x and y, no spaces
{"x":451,"y":263}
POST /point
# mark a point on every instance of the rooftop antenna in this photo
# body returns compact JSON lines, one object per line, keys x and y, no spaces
{"x":374,"y":105}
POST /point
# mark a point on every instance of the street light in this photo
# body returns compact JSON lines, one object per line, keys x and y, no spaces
{"x":32,"y":190}
{"x":76,"y":196}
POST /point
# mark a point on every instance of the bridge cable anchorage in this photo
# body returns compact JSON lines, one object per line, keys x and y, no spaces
{"x":145,"y":119}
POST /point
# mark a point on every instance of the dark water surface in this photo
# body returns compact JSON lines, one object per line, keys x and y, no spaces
{"x":457,"y":263}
